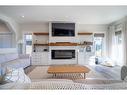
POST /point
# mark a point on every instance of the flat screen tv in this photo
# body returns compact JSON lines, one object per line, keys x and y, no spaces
{"x":63,"y":29}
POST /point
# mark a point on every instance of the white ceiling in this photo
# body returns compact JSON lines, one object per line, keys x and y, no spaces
{"x":78,"y":14}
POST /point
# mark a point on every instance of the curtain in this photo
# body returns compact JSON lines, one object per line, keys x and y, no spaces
{"x":115,"y":51}
{"x":124,"y":35}
{"x":110,"y":42}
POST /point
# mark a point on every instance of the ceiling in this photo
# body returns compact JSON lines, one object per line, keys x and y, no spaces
{"x":78,"y":14}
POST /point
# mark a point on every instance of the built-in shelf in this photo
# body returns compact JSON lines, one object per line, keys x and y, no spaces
{"x":40,"y":33}
{"x":86,"y":43}
{"x":84,"y":33}
{"x":40,"y":44}
{"x":63,"y":44}
{"x":46,"y":33}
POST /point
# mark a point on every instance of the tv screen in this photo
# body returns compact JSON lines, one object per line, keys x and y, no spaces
{"x":63,"y":29}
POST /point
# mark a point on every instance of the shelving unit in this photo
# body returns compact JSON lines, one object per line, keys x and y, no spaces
{"x":85,"y":33}
{"x":85,"y":38}
{"x":86,"y":43}
{"x":44,"y":33}
{"x":63,"y":44}
{"x":40,"y":41}
{"x":40,"y":44}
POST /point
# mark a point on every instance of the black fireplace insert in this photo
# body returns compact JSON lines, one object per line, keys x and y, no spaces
{"x":63,"y":54}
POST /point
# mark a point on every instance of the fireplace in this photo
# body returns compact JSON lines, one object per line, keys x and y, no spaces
{"x":63,"y":54}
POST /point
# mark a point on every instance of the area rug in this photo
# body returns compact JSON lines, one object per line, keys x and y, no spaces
{"x":96,"y":81}
{"x":40,"y":72}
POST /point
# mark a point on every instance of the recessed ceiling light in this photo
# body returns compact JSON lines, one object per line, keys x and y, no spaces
{"x":22,"y":16}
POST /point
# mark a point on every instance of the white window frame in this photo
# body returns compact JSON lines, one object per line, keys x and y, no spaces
{"x":24,"y":40}
{"x":103,"y":53}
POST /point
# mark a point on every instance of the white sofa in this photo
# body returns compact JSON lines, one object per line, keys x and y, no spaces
{"x":115,"y":72}
{"x":13,"y":60}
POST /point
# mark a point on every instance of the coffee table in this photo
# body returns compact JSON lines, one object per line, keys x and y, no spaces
{"x":61,"y":69}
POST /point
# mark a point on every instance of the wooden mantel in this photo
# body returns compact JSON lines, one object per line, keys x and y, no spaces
{"x":40,"y":44}
{"x":63,"y":44}
{"x":85,"y":33}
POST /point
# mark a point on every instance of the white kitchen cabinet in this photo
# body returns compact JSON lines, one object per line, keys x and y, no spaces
{"x":40,"y":58}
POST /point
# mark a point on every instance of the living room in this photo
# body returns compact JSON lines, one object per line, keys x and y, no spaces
{"x":73,"y":45}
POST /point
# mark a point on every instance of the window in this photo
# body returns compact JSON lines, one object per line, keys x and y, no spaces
{"x":6,"y":40}
{"x":98,"y":44}
{"x":28,"y":43}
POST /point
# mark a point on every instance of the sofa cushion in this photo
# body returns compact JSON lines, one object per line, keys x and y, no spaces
{"x":8,"y":57}
{"x":13,"y":60}
{"x":108,"y":63}
{"x":24,"y":56}
{"x":17,"y":63}
{"x":16,"y":75}
{"x":13,"y":64}
{"x":11,"y":56}
{"x":24,"y":62}
{"x":2,"y":58}
{"x":105,"y":61}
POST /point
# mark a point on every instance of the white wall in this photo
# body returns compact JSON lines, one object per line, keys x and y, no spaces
{"x":92,"y":28}
{"x":44,"y":27}
{"x":3,"y":28}
{"x":34,"y":27}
